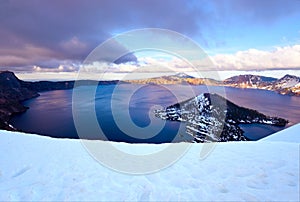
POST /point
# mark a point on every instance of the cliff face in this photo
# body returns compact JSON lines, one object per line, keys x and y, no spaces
{"x":11,"y":94}
{"x":11,"y":87}
{"x":13,"y":91}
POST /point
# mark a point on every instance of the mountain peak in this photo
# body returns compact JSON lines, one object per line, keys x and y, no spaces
{"x":183,"y":75}
{"x":8,"y":78}
{"x":248,"y":78}
{"x":211,"y":117}
{"x":7,"y":73}
{"x":288,"y":76}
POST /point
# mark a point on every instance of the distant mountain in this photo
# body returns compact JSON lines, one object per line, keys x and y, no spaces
{"x":249,"y":80}
{"x":210,"y":117}
{"x":288,"y":84}
{"x":183,"y":75}
{"x":179,"y":78}
{"x":172,"y":79}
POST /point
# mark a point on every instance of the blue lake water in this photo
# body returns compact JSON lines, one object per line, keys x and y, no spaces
{"x":121,"y":110}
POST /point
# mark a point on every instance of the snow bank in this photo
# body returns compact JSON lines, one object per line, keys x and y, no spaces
{"x":42,"y":168}
{"x":291,"y":134}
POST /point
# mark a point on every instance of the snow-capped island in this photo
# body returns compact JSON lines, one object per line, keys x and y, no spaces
{"x":211,"y":118}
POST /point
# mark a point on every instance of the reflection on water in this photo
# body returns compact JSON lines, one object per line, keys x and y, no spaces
{"x":257,"y":131}
{"x":51,"y":113}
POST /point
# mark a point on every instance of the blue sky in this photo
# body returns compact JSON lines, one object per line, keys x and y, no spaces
{"x":56,"y":36}
{"x":244,"y":29}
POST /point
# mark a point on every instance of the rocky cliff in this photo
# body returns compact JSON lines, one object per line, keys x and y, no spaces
{"x":13,"y":91}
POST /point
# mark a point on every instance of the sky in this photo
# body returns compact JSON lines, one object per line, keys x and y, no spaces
{"x":54,"y":37}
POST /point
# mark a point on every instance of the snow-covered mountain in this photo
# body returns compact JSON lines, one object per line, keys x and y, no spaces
{"x":248,"y":80}
{"x":286,"y":85}
{"x":210,"y":118}
{"x":287,"y":81}
{"x":179,"y":78}
{"x":183,"y":75}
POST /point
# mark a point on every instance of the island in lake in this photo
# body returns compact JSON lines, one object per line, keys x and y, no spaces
{"x":212,"y":118}
{"x":208,"y":117}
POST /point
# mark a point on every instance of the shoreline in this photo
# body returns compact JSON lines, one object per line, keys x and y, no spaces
{"x":15,"y":91}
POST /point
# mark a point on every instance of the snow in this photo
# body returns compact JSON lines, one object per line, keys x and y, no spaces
{"x":38,"y":168}
{"x":290,"y":84}
{"x":291,"y":134}
{"x":267,"y":122}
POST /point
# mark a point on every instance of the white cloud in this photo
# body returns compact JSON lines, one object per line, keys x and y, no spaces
{"x":60,"y":68}
{"x":287,"y":57}
{"x":144,"y":64}
{"x":281,"y":58}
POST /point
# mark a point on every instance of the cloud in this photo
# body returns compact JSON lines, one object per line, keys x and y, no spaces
{"x":70,"y":30}
{"x":25,"y":55}
{"x":60,"y":68}
{"x":50,"y":32}
{"x":73,"y":45}
{"x":281,"y":58}
{"x":142,"y":65}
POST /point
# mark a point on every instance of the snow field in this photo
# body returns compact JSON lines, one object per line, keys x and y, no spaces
{"x":41,"y":168}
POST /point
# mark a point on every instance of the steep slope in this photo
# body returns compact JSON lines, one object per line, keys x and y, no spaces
{"x":11,"y":94}
{"x":210,"y":117}
{"x":287,"y":85}
{"x":13,"y":91}
{"x":248,"y":80}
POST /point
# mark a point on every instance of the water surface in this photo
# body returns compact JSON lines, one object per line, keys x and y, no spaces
{"x":51,"y":113}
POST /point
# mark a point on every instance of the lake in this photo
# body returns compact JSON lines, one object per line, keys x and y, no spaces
{"x":124,"y":112}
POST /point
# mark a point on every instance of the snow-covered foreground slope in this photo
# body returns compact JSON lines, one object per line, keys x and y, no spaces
{"x":41,"y":168}
{"x":291,"y":134}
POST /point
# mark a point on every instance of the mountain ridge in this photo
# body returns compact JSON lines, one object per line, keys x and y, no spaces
{"x":287,"y":85}
{"x":13,"y":90}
